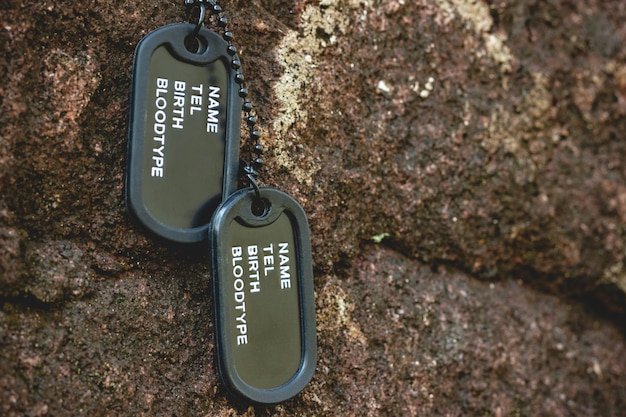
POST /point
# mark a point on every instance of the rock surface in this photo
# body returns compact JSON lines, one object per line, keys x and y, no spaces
{"x":462,"y":167}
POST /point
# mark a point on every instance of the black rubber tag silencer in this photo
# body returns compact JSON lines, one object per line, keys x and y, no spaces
{"x":200,"y":160}
{"x":266,"y":345}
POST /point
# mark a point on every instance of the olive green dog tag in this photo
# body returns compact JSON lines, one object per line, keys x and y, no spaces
{"x":263,"y":295}
{"x":183,"y":139}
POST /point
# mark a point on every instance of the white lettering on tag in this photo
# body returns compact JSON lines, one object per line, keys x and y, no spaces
{"x":240,"y":296}
{"x":177,"y":112}
{"x":273,"y":262}
{"x":285,"y":274}
{"x":179,"y":104}
{"x":196,"y":99}
{"x":213,"y":110}
{"x":253,"y":269}
{"x":242,"y":326}
{"x":158,"y":128}
{"x":268,"y":259}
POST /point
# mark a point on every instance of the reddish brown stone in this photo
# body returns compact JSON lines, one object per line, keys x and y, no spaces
{"x":484,"y":137}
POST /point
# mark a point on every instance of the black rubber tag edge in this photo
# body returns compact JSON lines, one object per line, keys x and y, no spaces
{"x":281,"y":202}
{"x":134,"y":202}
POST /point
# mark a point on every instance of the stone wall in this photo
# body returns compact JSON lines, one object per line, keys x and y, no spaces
{"x":462,"y":167}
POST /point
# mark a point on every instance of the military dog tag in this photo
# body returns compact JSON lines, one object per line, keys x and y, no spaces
{"x":263,"y":295}
{"x":183,"y":141}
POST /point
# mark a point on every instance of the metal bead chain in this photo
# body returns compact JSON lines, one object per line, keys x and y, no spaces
{"x":252,"y":169}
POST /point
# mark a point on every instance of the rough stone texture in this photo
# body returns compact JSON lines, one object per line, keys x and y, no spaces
{"x":462,"y":167}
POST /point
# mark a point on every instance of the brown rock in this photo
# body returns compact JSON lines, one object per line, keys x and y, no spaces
{"x":483,"y":137}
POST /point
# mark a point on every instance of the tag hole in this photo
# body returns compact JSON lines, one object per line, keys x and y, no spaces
{"x":194,"y":45}
{"x":260,"y":207}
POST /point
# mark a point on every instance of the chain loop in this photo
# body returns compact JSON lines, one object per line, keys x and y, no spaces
{"x":202,"y":11}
